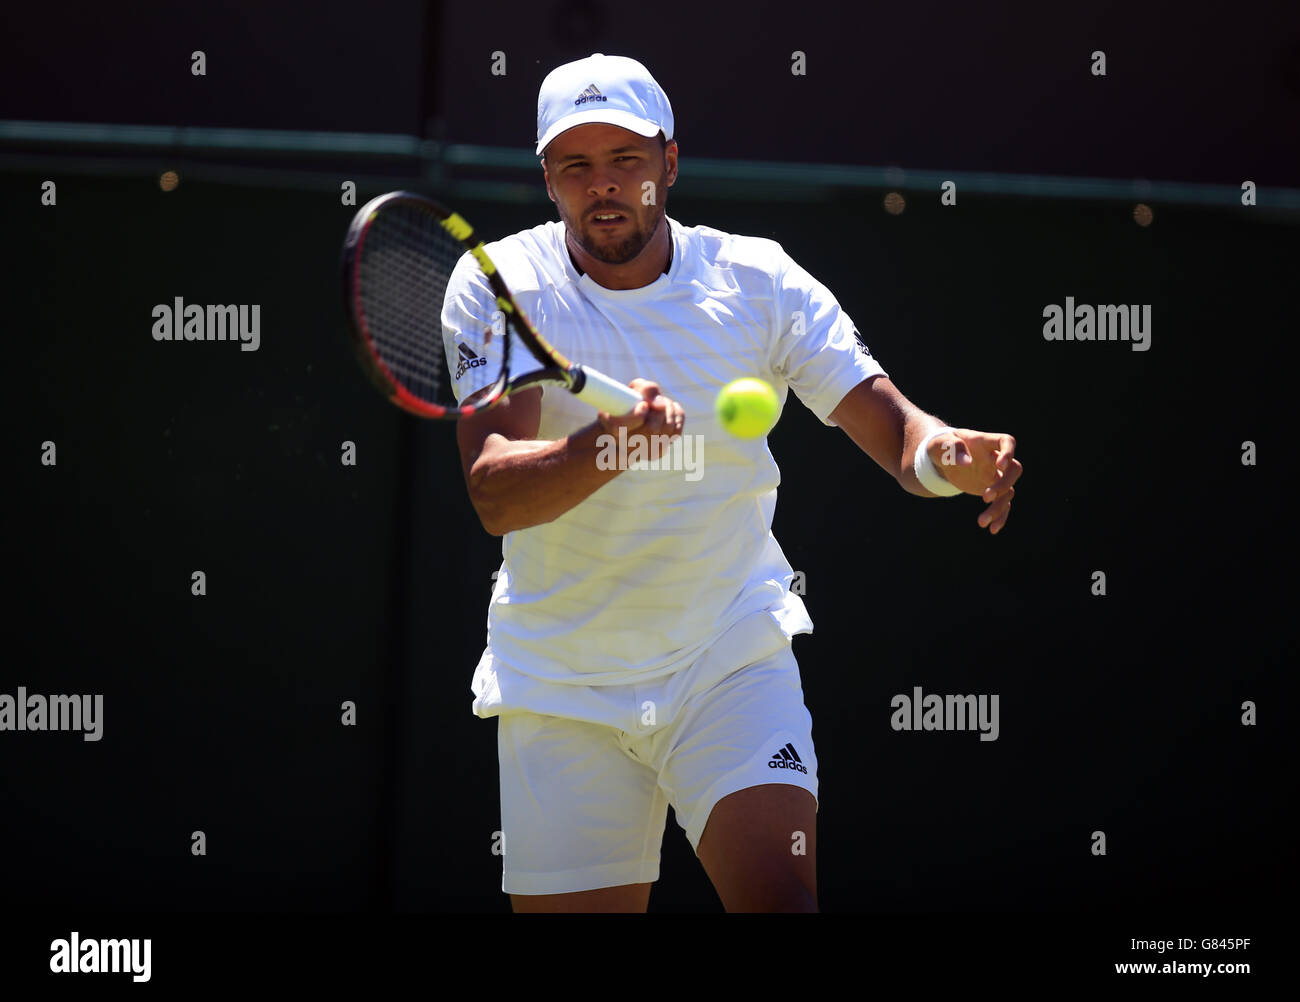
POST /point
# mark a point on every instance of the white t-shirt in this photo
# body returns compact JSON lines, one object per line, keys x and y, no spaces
{"x":636,"y":582}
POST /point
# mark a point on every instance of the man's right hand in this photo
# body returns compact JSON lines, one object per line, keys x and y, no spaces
{"x":516,"y":480}
{"x":657,"y":418}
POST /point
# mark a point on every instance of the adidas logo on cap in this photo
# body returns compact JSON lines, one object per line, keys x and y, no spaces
{"x":468,"y":360}
{"x":787,"y":758}
{"x":592,"y":93}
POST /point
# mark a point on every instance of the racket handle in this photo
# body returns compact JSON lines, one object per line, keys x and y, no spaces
{"x":604,"y":394}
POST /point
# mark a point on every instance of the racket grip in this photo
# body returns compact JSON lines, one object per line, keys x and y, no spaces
{"x":605,"y":394}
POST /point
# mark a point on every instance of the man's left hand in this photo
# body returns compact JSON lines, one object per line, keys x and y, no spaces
{"x":980,"y":463}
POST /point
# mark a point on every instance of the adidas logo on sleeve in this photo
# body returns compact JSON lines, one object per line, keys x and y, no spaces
{"x":787,"y":758}
{"x":468,"y":360}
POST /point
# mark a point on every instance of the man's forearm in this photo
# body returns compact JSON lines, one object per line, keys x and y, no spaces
{"x":519,"y":484}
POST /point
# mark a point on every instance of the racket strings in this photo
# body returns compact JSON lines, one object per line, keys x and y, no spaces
{"x":404,"y":267}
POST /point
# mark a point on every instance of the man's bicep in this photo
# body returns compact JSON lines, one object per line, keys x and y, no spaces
{"x":874,"y":414}
{"x":517,"y":417}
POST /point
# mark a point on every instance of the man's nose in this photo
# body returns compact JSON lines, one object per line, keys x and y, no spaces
{"x":605,"y":185}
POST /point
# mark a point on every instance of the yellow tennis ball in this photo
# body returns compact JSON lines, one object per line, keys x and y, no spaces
{"x":747,"y":407}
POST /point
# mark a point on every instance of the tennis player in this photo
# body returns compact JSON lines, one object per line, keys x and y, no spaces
{"x":639,"y":634}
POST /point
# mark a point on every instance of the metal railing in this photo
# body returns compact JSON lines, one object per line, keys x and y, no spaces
{"x":385,"y":159}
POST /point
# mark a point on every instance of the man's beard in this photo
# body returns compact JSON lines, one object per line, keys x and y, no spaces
{"x":632,"y":245}
{"x":617,"y":253}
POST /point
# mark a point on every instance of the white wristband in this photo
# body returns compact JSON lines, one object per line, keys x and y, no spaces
{"x":926,"y":472}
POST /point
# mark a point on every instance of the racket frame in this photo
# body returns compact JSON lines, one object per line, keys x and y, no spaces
{"x":557,"y":369}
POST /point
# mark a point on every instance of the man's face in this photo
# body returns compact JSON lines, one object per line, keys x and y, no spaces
{"x":596,"y":175}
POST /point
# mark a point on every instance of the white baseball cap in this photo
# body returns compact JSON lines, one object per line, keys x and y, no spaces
{"x":615,"y":90}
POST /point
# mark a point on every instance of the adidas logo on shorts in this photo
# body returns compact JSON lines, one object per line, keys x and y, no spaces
{"x":787,"y":758}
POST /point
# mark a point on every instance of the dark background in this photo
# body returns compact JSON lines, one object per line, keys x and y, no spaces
{"x":370,"y":583}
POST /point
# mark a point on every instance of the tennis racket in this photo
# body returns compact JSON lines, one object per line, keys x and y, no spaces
{"x":399,"y":253}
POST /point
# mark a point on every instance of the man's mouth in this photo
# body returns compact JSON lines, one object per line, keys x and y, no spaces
{"x":608,"y":218}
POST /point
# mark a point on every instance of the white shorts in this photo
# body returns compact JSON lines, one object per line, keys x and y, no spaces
{"x":584,"y":805}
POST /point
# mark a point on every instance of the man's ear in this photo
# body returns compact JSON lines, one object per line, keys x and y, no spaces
{"x":546,"y":176}
{"x":670,"y":160}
